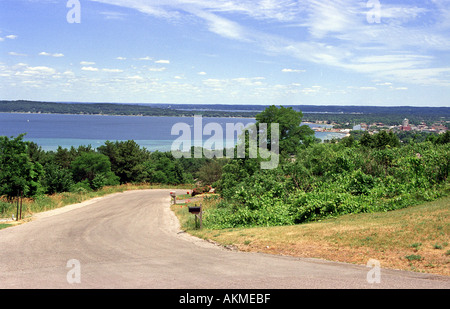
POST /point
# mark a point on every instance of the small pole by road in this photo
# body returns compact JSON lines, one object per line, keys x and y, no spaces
{"x":21,"y":199}
{"x":17,"y":207}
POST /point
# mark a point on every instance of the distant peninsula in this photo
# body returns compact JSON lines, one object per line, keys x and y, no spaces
{"x":24,"y":106}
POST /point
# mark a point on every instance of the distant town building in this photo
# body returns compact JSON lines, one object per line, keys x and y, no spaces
{"x":405,"y":125}
{"x":358,"y":127}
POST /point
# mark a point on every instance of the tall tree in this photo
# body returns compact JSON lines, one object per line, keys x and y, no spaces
{"x":292,"y":134}
{"x":126,"y":158}
{"x":95,"y":168}
{"x":18,"y":174}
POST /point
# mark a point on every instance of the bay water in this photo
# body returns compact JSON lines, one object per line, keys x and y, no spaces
{"x":154,"y":133}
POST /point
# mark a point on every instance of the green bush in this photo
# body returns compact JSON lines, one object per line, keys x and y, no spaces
{"x":5,"y":207}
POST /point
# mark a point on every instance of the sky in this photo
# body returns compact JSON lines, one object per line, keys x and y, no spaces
{"x":281,"y":52}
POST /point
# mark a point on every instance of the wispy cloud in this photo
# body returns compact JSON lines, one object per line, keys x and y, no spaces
{"x":56,"y":55}
{"x":112,"y":70}
{"x":157,"y":69}
{"x":113,"y":15}
{"x":339,"y":33}
{"x":146,"y":58}
{"x":292,"y":71}
{"x":17,"y":54}
{"x":90,"y":69}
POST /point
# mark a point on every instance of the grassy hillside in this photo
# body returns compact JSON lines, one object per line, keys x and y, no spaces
{"x":414,"y":238}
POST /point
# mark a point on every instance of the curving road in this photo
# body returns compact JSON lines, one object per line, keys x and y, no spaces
{"x":132,"y":240}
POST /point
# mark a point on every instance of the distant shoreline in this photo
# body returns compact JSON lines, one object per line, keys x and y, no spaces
{"x":73,"y":114}
{"x":345,"y":116}
{"x":111,"y":109}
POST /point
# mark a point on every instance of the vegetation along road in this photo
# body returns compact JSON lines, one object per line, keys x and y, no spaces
{"x":132,"y":240}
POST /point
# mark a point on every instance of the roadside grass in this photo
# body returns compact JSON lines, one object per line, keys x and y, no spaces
{"x":414,"y":238}
{"x":49,"y":202}
{"x":3,"y":225}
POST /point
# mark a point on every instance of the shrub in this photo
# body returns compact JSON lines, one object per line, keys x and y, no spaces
{"x":200,"y":190}
{"x":4,"y":207}
{"x":414,"y":257}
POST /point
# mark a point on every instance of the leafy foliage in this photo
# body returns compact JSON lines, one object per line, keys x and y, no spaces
{"x":18,"y":174}
{"x":292,"y":134}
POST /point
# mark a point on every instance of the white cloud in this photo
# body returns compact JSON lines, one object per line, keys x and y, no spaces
{"x":221,"y":26}
{"x":121,"y":58}
{"x":113,"y":15}
{"x":401,"y":13}
{"x":39,"y":70}
{"x":11,"y":36}
{"x":147,"y":58}
{"x":135,"y":77}
{"x":157,"y":69}
{"x":162,"y":61}
{"x":56,"y":55}
{"x":201,"y":73}
{"x":17,"y":54}
{"x":112,"y":70}
{"x":326,"y":18}
{"x":87,"y":63}
{"x":90,"y":69}
{"x":292,"y":71}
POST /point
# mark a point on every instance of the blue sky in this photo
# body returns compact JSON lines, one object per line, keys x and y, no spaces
{"x":283,"y":52}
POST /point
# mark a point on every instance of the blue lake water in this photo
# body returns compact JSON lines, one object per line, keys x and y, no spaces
{"x":154,"y":133}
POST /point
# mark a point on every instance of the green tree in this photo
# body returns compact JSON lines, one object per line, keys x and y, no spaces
{"x":384,"y":139}
{"x":441,"y":138}
{"x":366,"y":140}
{"x":56,"y":179}
{"x":92,"y":166}
{"x":64,"y":157}
{"x":17,"y":172}
{"x":292,"y":134}
{"x":211,"y":172}
{"x":127,"y":159}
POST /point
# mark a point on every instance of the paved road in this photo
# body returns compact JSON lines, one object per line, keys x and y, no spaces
{"x":132,"y":240}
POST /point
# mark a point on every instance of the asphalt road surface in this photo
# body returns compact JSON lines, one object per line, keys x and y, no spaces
{"x":132,"y":240}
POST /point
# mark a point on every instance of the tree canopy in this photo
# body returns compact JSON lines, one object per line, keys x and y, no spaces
{"x":291,"y":133}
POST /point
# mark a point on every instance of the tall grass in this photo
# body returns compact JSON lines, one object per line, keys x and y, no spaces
{"x":48,"y":202}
